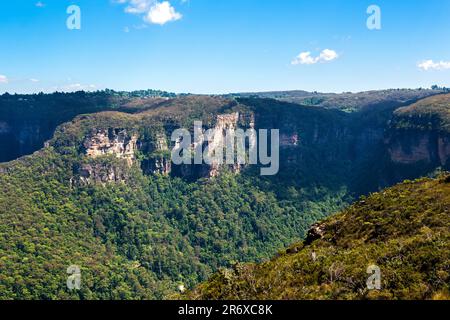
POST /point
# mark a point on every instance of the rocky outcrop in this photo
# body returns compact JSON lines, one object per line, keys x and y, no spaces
{"x":157,"y":155}
{"x":161,"y":165}
{"x":154,"y":151}
{"x":226,"y":123}
{"x":110,"y":153}
{"x":215,"y":140}
{"x":316,"y":232}
{"x":117,"y":142}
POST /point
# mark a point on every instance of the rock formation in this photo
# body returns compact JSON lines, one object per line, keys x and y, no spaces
{"x":115,"y":142}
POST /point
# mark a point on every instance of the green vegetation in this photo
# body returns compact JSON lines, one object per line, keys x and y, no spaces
{"x":404,"y":230}
{"x":141,"y":235}
{"x":135,"y":240}
{"x":428,"y":114}
{"x":27,"y":121}
{"x":348,"y":101}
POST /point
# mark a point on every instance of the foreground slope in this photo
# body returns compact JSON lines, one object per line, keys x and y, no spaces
{"x":404,"y":230}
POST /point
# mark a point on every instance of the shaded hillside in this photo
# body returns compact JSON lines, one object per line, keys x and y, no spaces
{"x":27,"y":121}
{"x":404,"y":230}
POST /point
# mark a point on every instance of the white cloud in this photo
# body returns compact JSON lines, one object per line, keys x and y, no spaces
{"x":153,"y":11}
{"x":34,"y":80}
{"x":161,"y":13}
{"x":3,"y":79}
{"x":326,"y":55}
{"x":40,"y":4}
{"x":431,"y":65}
{"x":304,"y":58}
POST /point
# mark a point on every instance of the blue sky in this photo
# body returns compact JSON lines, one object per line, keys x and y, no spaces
{"x":221,"y":46}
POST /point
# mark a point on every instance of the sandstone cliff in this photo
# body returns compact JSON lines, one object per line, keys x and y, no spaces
{"x":153,"y":153}
{"x":420,"y":133}
{"x":113,"y":141}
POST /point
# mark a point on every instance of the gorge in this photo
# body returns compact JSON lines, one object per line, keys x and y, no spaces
{"x":104,"y":194}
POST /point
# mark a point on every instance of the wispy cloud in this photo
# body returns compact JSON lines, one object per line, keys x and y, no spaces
{"x":3,"y":79}
{"x":40,"y":4}
{"x":428,"y":65}
{"x":137,"y":6}
{"x":326,"y":55}
{"x":152,"y":11}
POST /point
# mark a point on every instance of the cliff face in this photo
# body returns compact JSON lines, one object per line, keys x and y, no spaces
{"x":102,"y":173}
{"x":115,"y":142}
{"x":17,"y":139}
{"x":225,"y":123}
{"x":289,"y":140}
{"x":120,"y":144}
{"x":110,"y":153}
{"x":158,"y":161}
{"x":420,"y":133}
{"x":363,"y":151}
{"x":412,"y":147}
{"x":444,"y":149}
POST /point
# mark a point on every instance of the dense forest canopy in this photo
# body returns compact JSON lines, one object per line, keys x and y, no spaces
{"x":403,"y":231}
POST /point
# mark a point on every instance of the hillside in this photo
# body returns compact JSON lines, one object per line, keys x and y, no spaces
{"x":27,"y":121}
{"x":404,"y":230}
{"x":96,"y":196}
{"x":103,"y":193}
{"x":427,"y":114}
{"x":419,"y":136}
{"x":348,"y":101}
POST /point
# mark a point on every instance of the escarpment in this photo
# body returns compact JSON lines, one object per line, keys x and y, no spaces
{"x":363,"y":151}
{"x":113,"y":141}
{"x":109,"y":152}
{"x":420,"y":133}
{"x":156,"y":155}
{"x":226,"y":124}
